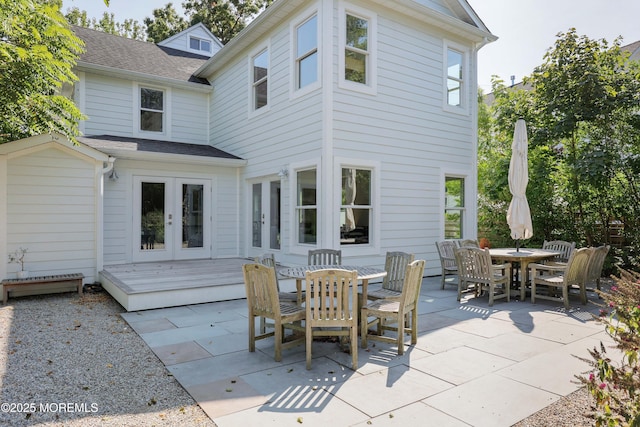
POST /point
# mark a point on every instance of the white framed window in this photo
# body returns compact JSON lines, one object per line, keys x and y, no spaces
{"x":358,"y":53}
{"x":356,"y":208}
{"x":199,"y":44}
{"x":259,"y":72}
{"x":455,"y":72}
{"x":306,"y":53}
{"x":152,"y":110}
{"x":454,"y":207}
{"x":306,"y":202}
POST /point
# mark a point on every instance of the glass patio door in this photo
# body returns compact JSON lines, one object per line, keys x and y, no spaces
{"x":265,"y":216}
{"x":172,"y":219}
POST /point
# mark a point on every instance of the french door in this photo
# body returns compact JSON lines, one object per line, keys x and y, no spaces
{"x":172,"y":219}
{"x":265,"y":216}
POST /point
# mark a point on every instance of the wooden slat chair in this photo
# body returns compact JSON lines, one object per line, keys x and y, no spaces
{"x":565,"y":249}
{"x":262,"y":300}
{"x":476,"y":270}
{"x":553,"y":277}
{"x":328,"y":308}
{"x":395,"y":265}
{"x":269,"y":260}
{"x":324,"y":257}
{"x":389,"y":312}
{"x":446,"y":250}
{"x":596,"y":263}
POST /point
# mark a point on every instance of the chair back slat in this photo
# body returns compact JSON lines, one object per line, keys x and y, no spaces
{"x":565,"y":249}
{"x":578,"y":267}
{"x":412,"y":284}
{"x":261,"y":289}
{"x":327,"y":296}
{"x":324,"y":257}
{"x":596,"y":263}
{"x":396,"y":266}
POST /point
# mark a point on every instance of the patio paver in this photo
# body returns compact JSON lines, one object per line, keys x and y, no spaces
{"x":473,"y":364}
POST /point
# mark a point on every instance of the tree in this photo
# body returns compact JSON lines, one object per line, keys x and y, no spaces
{"x":225,"y":18}
{"x":164,"y":24}
{"x":581,"y":108}
{"x":130,"y":28}
{"x":38,"y":51}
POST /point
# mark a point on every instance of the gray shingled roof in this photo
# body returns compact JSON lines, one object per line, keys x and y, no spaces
{"x":134,"y":55}
{"x":109,"y":144}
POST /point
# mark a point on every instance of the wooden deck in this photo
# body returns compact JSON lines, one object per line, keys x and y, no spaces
{"x":144,"y":286}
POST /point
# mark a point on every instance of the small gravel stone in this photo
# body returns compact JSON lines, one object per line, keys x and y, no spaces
{"x":72,"y":360}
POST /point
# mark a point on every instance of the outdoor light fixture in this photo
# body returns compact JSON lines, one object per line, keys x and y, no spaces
{"x":284,"y":173}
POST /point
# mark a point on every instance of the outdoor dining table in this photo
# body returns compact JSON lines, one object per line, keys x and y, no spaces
{"x":364,"y":275}
{"x":523,"y":256}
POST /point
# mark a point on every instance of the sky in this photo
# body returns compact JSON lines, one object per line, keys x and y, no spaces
{"x":526,"y":29}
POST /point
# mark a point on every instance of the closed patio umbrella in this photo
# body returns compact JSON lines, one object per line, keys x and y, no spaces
{"x":519,"y":215}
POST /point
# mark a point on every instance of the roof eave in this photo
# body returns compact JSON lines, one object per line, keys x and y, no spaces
{"x":142,"y":77}
{"x":174,"y":158}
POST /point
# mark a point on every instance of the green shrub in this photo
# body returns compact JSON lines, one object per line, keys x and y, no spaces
{"x":616,"y":385}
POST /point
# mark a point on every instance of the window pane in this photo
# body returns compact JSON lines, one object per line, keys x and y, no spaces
{"x":355,"y":221}
{"x":308,"y":71}
{"x":357,"y":32}
{"x":274,"y":231}
{"x":151,"y":99}
{"x":256,"y":215}
{"x":355,"y":67}
{"x":306,"y":201}
{"x":205,"y":45}
{"x":151,"y":121}
{"x":453,"y":92}
{"x":194,"y":43}
{"x":454,"y":64}
{"x":307,"y":188}
{"x":452,"y":224}
{"x":307,"y":224}
{"x":192,"y":215}
{"x":261,"y":95}
{"x":307,"y":37}
{"x":260,"y":64}
{"x":454,"y":192}
{"x":152,"y":216}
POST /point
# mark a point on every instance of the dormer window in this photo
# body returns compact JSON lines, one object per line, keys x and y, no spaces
{"x":200,"y":44}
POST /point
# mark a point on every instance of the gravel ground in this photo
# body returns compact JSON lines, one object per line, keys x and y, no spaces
{"x":72,"y":361}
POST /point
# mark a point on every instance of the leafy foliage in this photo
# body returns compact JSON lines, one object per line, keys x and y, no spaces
{"x":130,"y":28}
{"x":165,"y":23}
{"x":37,"y":53}
{"x":581,"y":108}
{"x":616,"y":386}
{"x":225,"y":18}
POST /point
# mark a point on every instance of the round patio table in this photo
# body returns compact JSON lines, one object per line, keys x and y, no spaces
{"x":524,"y":257}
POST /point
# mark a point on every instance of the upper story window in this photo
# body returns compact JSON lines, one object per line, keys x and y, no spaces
{"x":260,"y":72}
{"x":306,"y":61}
{"x":357,"y":60}
{"x":356,"y":49}
{"x":455,"y":77}
{"x":151,"y":110}
{"x":200,"y":44}
{"x":356,"y":211}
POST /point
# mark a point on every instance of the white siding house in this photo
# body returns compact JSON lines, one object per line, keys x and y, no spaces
{"x":324,"y":123}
